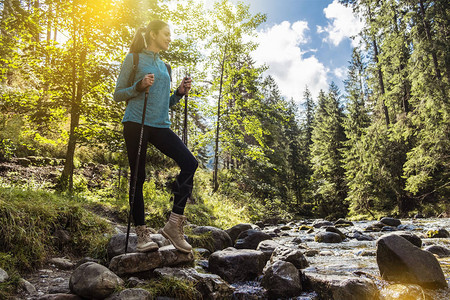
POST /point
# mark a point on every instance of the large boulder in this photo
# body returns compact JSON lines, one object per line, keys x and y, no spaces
{"x":341,"y":287}
{"x":267,"y":247}
{"x":328,"y":237}
{"x":335,"y":230}
{"x":294,"y":256}
{"x":237,"y":265}
{"x":221,"y":238}
{"x":91,"y":280}
{"x":412,"y":238}
{"x":236,"y":230}
{"x":250,"y":239}
{"x":399,"y":260}
{"x":140,"y":262}
{"x":282,"y":280}
{"x":210,"y":286}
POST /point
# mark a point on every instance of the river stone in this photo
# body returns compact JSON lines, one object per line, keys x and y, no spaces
{"x":335,"y":230}
{"x":338,"y":287}
{"x":62,"y":263}
{"x":204,"y":253}
{"x":343,"y":223}
{"x":27,"y":287}
{"x":282,"y":279}
{"x":321,"y":223}
{"x":327,"y":237}
{"x":3,"y":275}
{"x":267,"y":247}
{"x":361,"y":237}
{"x":131,"y":294}
{"x":210,"y":286}
{"x":234,"y":231}
{"x":438,"y":233}
{"x":91,"y":280}
{"x":390,"y":221}
{"x":172,"y":257}
{"x":221,"y":238}
{"x":135,"y":262}
{"x":399,"y":260}
{"x":436,"y":249}
{"x":293,"y":256}
{"x":403,"y":291}
{"x":250,"y":239}
{"x":412,"y":238}
{"x":237,"y":265}
{"x":388,"y":228}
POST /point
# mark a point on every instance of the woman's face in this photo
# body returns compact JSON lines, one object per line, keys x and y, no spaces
{"x":162,"y":40}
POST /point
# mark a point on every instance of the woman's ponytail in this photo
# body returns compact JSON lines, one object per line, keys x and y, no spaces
{"x":141,"y":39}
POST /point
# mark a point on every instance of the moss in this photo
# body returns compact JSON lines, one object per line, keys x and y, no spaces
{"x":173,"y":288}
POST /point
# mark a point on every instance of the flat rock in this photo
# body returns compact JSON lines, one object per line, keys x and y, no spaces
{"x":62,"y":263}
{"x":131,"y":294}
{"x":390,"y":221}
{"x":135,"y":262}
{"x":267,"y":247}
{"x":237,"y":265}
{"x":399,"y":260}
{"x":328,"y":237}
{"x":250,"y":239}
{"x":293,"y":256}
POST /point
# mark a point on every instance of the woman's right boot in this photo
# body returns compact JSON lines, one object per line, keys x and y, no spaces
{"x":144,"y":242}
{"x":173,"y":230}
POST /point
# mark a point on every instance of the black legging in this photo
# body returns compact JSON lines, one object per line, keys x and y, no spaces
{"x":166,"y":141}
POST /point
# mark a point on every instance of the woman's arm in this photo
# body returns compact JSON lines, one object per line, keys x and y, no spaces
{"x":123,"y":91}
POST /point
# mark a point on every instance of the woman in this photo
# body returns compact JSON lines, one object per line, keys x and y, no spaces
{"x":153,"y":75}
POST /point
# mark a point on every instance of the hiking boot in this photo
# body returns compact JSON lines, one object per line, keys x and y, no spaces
{"x":173,"y":230}
{"x":144,"y":242}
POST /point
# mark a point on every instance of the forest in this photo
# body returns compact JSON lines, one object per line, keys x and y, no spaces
{"x":379,"y":147}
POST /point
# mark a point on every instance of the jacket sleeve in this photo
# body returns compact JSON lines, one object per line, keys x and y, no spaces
{"x":174,"y":99}
{"x":124,"y":92}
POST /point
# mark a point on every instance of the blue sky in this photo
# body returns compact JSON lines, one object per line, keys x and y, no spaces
{"x":305,"y":42}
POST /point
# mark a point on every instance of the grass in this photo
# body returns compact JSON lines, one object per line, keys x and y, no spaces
{"x":172,"y":288}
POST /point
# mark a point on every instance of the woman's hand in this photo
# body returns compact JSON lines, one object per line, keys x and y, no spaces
{"x":185,"y":86}
{"x":147,"y":82}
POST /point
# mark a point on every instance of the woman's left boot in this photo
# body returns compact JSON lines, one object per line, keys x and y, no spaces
{"x":144,"y":242}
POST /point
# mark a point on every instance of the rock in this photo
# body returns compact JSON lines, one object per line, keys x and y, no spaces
{"x":116,"y":244}
{"x":234,"y":231}
{"x":293,"y":256}
{"x":62,"y":237}
{"x":221,"y":238}
{"x":321,"y":223}
{"x":62,"y":263}
{"x":388,"y":228}
{"x":3,"y":275}
{"x":26,"y":287}
{"x":399,"y":260}
{"x":60,"y":296}
{"x":267,"y":247}
{"x":85,"y":260}
{"x":131,"y":294}
{"x":311,"y":253}
{"x":91,"y":280}
{"x":438,"y":233}
{"x":409,"y":227}
{"x":250,"y":239}
{"x":335,"y":230}
{"x":343,"y":223}
{"x":328,"y":237}
{"x":390,"y":221}
{"x":134,"y":282}
{"x":412,"y":238}
{"x":376,"y":227}
{"x":341,"y":287}
{"x":285,"y":227}
{"x":361,"y":237}
{"x":204,"y":253}
{"x":402,"y":291}
{"x":282,"y":279}
{"x":210,"y":286}
{"x":297,"y":240}
{"x":237,"y":265}
{"x":172,"y":257}
{"x":135,"y":262}
{"x":435,"y":249}
{"x":249,"y":290}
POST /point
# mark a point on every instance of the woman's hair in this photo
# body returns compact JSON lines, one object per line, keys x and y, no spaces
{"x":142,"y":37}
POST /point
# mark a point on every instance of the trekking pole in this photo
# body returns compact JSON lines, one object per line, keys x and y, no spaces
{"x":136,"y":167}
{"x":185,"y":125}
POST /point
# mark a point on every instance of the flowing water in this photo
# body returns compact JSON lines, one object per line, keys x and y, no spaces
{"x":352,"y":258}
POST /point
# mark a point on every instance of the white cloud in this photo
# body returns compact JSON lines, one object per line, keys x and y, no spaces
{"x":340,"y":73}
{"x":344,"y":24}
{"x":280,"y":49}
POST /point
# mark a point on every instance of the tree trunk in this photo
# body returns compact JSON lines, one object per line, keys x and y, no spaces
{"x":216,"y":150}
{"x":426,"y":25}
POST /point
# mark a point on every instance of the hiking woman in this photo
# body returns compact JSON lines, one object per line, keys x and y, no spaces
{"x":152,"y":75}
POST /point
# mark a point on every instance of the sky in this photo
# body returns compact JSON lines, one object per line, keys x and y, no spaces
{"x":305,"y":43}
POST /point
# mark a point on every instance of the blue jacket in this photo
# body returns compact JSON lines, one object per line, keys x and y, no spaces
{"x":159,"y":98}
